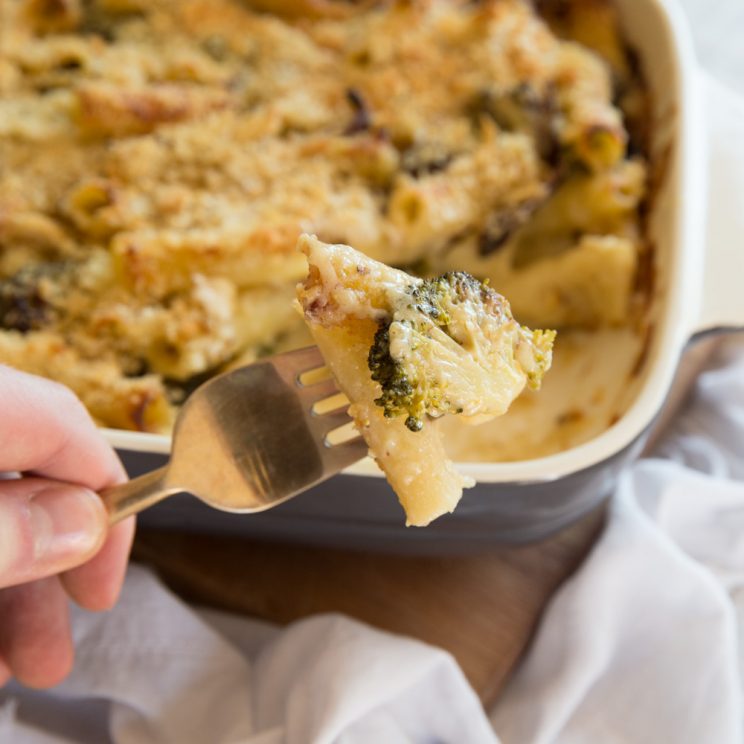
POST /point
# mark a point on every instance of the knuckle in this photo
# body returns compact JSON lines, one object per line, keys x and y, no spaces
{"x":16,"y":540}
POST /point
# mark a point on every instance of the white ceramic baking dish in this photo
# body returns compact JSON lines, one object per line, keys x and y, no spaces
{"x":696,"y":291}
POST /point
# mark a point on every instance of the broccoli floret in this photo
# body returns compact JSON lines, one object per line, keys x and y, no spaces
{"x":398,"y":393}
{"x":403,"y":393}
{"x":541,"y":348}
{"x":412,"y":359}
{"x":432,"y":296}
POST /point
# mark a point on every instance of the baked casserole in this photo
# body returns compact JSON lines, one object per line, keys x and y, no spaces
{"x":161,"y":158}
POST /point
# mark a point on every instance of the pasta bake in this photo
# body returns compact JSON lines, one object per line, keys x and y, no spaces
{"x":161,"y":158}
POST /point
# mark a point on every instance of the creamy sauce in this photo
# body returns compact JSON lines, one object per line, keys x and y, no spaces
{"x":589,"y":386}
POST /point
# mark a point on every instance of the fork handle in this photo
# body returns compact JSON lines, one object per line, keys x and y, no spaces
{"x":137,"y":494}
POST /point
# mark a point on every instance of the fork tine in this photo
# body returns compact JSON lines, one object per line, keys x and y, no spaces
{"x":343,"y":455}
{"x":302,"y":360}
{"x":296,"y":364}
{"x":311,"y":393}
{"x":334,"y":419}
{"x":323,"y":424}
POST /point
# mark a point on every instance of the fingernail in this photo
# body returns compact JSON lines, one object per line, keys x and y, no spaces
{"x":66,"y":521}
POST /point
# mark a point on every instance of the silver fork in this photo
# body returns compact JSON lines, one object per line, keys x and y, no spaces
{"x":247,"y":440}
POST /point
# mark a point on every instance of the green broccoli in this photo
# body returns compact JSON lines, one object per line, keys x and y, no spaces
{"x":448,"y":346}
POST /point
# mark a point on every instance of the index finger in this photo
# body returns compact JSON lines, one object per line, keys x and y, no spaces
{"x":45,"y":429}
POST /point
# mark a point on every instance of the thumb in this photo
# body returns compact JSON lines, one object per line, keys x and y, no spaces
{"x":46,"y":527}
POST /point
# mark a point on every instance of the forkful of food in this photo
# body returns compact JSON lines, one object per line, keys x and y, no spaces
{"x":404,"y":351}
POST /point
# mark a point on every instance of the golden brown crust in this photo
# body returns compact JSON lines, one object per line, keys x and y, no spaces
{"x":113,"y":400}
{"x":153,"y":149}
{"x":113,"y":111}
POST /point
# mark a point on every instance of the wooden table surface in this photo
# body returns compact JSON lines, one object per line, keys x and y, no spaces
{"x":482,"y":608}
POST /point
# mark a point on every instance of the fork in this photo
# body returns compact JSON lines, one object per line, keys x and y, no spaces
{"x":248,"y":440}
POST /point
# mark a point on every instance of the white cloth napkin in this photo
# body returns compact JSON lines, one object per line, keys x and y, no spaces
{"x":641,"y":645}
{"x":154,"y":670}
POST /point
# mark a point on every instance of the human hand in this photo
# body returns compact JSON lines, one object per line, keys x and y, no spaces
{"x":54,"y":537}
